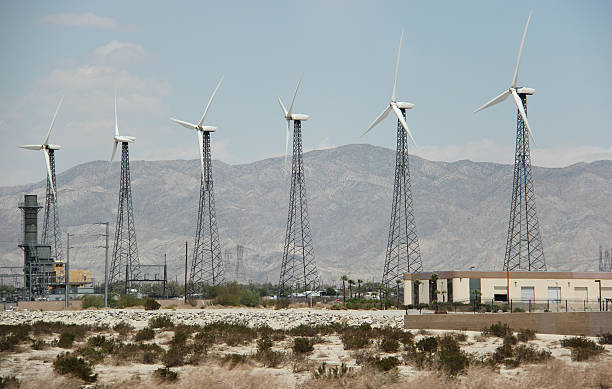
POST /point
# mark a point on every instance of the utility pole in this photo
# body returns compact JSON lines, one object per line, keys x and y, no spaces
{"x":106,"y":269}
{"x":185,"y":272}
{"x":67,"y":271}
{"x":165,"y":277}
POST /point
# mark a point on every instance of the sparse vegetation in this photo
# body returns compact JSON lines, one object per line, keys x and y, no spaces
{"x":499,"y":329}
{"x":146,"y":333}
{"x":526,"y":334}
{"x":335,"y":372}
{"x":605,"y":338}
{"x":151,"y":304}
{"x":164,"y":374}
{"x":9,"y":382}
{"x":582,"y":348}
{"x":67,"y":363}
{"x":92,"y":302}
{"x":163,"y":321}
{"x":302,"y":345}
{"x":123,"y":328}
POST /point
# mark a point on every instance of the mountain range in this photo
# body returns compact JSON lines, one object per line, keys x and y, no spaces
{"x":461,"y":210}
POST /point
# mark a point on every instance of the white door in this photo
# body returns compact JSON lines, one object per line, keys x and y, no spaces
{"x":527,"y":293}
{"x":554,"y":293}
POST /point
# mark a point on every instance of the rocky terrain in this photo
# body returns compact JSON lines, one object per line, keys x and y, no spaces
{"x":461,"y":212}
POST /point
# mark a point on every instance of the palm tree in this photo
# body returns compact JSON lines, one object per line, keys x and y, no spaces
{"x":344,"y":278}
{"x":351,"y":283}
{"x":417,"y":284}
{"x":433,"y":288}
{"x":359,"y":282}
{"x":398,"y":282}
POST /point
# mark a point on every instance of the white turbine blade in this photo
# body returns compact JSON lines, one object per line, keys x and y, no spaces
{"x":53,"y":121}
{"x":210,"y":101}
{"x":378,"y":120}
{"x":519,"y":105}
{"x":518,"y":59}
{"x":496,"y":100}
{"x":114,"y":150}
{"x":201,"y":143}
{"x":185,"y":124}
{"x":287,"y":143}
{"x":116,"y":125}
{"x":393,"y":98}
{"x":294,"y":94}
{"x":400,"y":117}
{"x":282,"y":107}
{"x":31,"y":147}
{"x":48,"y":161}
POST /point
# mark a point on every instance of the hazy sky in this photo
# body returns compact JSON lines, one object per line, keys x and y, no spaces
{"x":165,"y":59}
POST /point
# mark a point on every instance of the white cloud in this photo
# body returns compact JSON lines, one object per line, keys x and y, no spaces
{"x":490,"y":151}
{"x":118,"y":53}
{"x":80,"y":20}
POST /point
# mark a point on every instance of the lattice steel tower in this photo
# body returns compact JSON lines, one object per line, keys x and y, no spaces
{"x":298,"y":268}
{"x":207,"y":267}
{"x":403,"y":254}
{"x":51,"y":233}
{"x":125,"y":266}
{"x":524,"y":249}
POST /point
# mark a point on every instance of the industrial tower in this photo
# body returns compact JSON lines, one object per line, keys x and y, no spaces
{"x":524,"y":248}
{"x":403,"y":254}
{"x":298,"y":268}
{"x":207,"y":264}
{"x":207,"y":267}
{"x":125,"y":266}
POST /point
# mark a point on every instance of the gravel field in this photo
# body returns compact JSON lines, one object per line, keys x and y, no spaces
{"x":277,"y":319}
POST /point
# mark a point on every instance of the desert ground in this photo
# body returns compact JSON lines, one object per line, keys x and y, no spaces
{"x":286,"y":348}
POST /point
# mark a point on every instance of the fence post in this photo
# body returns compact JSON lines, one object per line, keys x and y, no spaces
{"x":529,"y":306}
{"x":510,"y":305}
{"x":548,"y":305}
{"x":584,"y":305}
{"x":565,"y":305}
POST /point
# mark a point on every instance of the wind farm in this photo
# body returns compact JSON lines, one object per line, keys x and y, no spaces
{"x":423,"y":276}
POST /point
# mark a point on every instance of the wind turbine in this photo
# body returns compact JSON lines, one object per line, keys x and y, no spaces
{"x":403,"y":254}
{"x":289,"y":116}
{"x":524,"y":247}
{"x":515,"y":91}
{"x":51,"y":218}
{"x":207,"y":264}
{"x":298,"y":267}
{"x":125,"y":265}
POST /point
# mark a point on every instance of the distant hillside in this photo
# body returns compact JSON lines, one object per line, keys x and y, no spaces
{"x":461,"y":211}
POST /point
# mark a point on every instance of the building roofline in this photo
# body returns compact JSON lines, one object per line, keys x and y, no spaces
{"x":538,"y":275}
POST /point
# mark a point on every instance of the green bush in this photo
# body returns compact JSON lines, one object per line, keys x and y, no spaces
{"x":269,"y":358}
{"x":498,"y":329}
{"x":123,"y":328}
{"x":518,"y":309}
{"x":66,"y":363}
{"x":8,"y":343}
{"x":264,"y":343}
{"x":385,"y":364}
{"x":66,"y":339}
{"x":282,"y":303}
{"x":249,"y":298}
{"x":144,"y":334}
{"x":175,"y":356}
{"x":530,"y":354}
{"x":582,"y":348}
{"x":451,"y":358}
{"x":332,"y":372}
{"x":357,"y":337}
{"x":389,"y":345}
{"x":166,"y":375}
{"x":129,"y":300}
{"x":526,"y":334}
{"x":302,"y":345}
{"x":39,"y":344}
{"x":161,"y":322}
{"x":428,"y":344}
{"x":92,"y":302}
{"x":151,"y":304}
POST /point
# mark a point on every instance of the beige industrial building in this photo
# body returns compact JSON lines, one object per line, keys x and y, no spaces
{"x":573,"y":291}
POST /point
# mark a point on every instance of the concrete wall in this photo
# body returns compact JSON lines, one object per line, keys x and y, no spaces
{"x":571,"y":323}
{"x":47,"y":305}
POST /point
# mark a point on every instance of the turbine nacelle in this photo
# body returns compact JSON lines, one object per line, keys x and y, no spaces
{"x":299,"y":116}
{"x":404,"y":105}
{"x":525,"y":91}
{"x":125,"y":139}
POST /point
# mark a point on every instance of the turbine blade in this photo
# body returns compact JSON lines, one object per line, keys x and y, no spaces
{"x":116,"y":125}
{"x":518,"y":59}
{"x":378,"y":120}
{"x":287,"y":143}
{"x":519,"y":105}
{"x":185,"y":124}
{"x":294,"y":94}
{"x":53,"y":120}
{"x":496,"y":100}
{"x":393,"y":98}
{"x":50,"y":175}
{"x":210,"y":101}
{"x":31,"y":147}
{"x":114,"y":150}
{"x":282,"y":107}
{"x":201,"y":143}
{"x":400,"y":117}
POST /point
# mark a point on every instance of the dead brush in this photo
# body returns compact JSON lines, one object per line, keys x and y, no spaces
{"x":335,"y":372}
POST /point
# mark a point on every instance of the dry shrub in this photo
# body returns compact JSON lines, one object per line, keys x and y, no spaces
{"x":365,"y":378}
